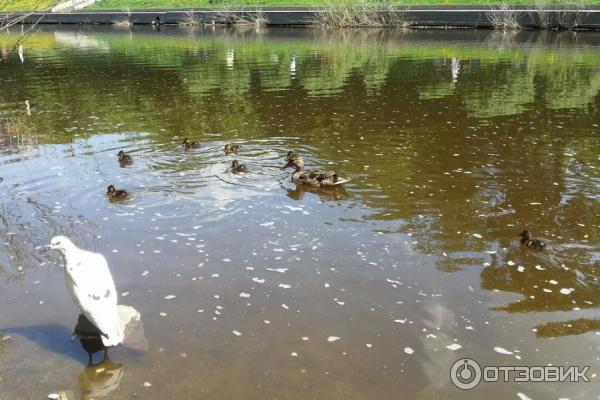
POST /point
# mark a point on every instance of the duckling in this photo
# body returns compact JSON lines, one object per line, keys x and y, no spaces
{"x":124,"y":159}
{"x":532,"y":244}
{"x":236,"y":167}
{"x":190,"y":145}
{"x":232,"y":148}
{"x":321,"y":179}
{"x":293,"y":160}
{"x":117,"y":195}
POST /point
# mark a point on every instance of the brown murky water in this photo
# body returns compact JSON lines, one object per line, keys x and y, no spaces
{"x":455,"y":142}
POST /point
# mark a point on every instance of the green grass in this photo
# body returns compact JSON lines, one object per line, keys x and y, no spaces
{"x":301,"y":3}
{"x":11,"y":5}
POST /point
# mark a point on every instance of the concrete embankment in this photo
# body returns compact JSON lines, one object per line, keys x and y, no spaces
{"x":433,"y":16}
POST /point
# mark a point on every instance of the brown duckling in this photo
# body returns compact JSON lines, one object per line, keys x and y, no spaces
{"x":117,"y":195}
{"x":236,"y":167}
{"x":293,"y":160}
{"x":124,"y":159}
{"x":232,"y":148}
{"x":187,"y":144}
{"x":322,"y":179}
{"x":533,"y":244}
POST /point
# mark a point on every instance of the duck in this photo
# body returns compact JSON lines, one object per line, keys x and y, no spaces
{"x":322,"y":179}
{"x":117,"y":195}
{"x":236,"y":167}
{"x":190,"y":145}
{"x":124,"y":159}
{"x":232,"y":148}
{"x":293,"y":159}
{"x":533,"y":244}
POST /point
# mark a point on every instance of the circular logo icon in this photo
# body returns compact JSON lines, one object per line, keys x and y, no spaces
{"x":465,"y":374}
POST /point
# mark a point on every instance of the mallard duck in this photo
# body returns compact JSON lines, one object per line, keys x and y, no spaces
{"x":532,"y":244}
{"x":293,"y":160}
{"x":232,"y":148}
{"x":236,"y":167}
{"x":190,"y":145}
{"x":117,"y":195}
{"x":321,"y":179}
{"x":124,"y":159}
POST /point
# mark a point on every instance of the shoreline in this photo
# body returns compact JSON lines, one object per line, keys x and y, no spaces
{"x":465,"y":17}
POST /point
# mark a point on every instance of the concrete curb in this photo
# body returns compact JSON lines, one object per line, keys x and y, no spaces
{"x":439,"y":17}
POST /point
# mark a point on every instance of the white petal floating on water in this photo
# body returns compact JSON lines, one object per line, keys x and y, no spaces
{"x":280,"y":270}
{"x":331,"y":339}
{"x":170,"y":297}
{"x":258,"y":280}
{"x":163,"y":314}
{"x":511,"y":263}
{"x":400,"y":321}
{"x":454,"y":346}
{"x":565,"y":291}
{"x":523,"y":396}
{"x":408,"y":350}
{"x":285,"y":286}
{"x":246,"y":295}
{"x":521,"y":268}
{"x":477,"y":235}
{"x":294,"y":354}
{"x":147,"y":384}
{"x":502,"y":350}
{"x":369,"y":345}
{"x":237,"y":333}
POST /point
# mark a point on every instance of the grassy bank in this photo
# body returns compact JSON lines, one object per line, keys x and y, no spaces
{"x":304,"y":3}
{"x":9,"y":5}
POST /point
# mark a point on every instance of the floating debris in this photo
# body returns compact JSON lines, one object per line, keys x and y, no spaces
{"x":502,"y":350}
{"x":332,"y":339}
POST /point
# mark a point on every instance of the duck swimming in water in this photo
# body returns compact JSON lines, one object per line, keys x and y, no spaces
{"x":533,"y":244}
{"x":322,"y":179}
{"x":236,"y":167}
{"x":293,"y":159}
{"x":117,"y":195}
{"x":190,"y":145}
{"x":124,"y":159}
{"x":232,"y":148}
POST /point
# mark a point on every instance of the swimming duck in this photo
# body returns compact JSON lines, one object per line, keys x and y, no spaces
{"x":321,"y":179}
{"x":117,"y":195}
{"x":124,"y":159}
{"x":232,"y":148}
{"x":190,"y":145}
{"x":532,"y":244}
{"x":236,"y":167}
{"x":293,"y":160}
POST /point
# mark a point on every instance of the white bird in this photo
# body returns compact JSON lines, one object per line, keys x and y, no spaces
{"x":92,"y":288}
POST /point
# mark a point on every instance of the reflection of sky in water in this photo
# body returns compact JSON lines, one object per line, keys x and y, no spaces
{"x":453,"y":149}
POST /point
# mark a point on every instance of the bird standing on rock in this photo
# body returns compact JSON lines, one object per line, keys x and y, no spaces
{"x":92,"y":288}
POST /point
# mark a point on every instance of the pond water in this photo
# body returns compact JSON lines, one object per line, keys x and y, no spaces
{"x":455,"y":142}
